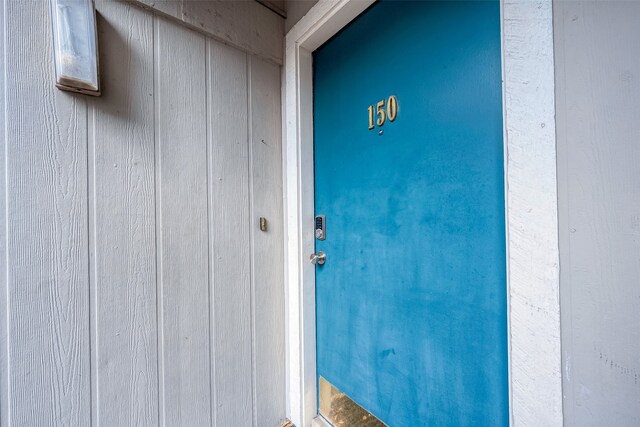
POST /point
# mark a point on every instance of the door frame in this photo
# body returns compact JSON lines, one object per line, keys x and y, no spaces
{"x":531,"y":208}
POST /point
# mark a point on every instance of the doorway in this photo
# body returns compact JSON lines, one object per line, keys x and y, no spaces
{"x":411,"y":302}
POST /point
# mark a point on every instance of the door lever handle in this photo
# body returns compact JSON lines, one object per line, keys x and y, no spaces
{"x":320,"y":258}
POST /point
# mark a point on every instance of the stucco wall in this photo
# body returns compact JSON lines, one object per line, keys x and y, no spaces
{"x":598,"y":138}
{"x":137,"y":287}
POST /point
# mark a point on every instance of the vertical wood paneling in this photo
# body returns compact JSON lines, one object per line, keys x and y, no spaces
{"x":229,"y":235}
{"x":123,"y":284}
{"x":181,"y":140}
{"x":597,"y":88}
{"x":127,"y":230}
{"x":267,"y":283}
{"x":245,"y":25}
{"x":47,"y":260}
{"x":4,"y":367}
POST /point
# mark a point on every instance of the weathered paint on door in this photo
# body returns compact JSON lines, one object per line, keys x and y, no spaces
{"x":411,"y":303}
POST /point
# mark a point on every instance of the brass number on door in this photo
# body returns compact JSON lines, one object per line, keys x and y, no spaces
{"x":379,"y":114}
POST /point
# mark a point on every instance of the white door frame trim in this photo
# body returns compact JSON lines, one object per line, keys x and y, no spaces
{"x":531,"y":207}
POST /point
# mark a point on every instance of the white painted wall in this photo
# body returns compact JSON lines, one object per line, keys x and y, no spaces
{"x":598,"y":99}
{"x":532,"y":213}
{"x":137,"y":288}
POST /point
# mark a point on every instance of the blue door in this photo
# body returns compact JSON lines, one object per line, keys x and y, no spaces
{"x":411,"y":302}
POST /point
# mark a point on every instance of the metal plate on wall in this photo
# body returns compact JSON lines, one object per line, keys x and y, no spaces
{"x":341,"y":411}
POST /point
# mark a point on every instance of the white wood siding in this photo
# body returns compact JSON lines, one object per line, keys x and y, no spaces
{"x":137,"y":287}
{"x":597,"y":99}
{"x":244,"y":24}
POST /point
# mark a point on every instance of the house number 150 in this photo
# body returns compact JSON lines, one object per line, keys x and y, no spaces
{"x":382,"y":113}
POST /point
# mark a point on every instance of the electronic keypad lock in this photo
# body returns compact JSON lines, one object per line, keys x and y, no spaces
{"x":321,"y":227}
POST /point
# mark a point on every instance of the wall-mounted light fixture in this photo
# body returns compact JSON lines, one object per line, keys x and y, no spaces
{"x":75,"y":46}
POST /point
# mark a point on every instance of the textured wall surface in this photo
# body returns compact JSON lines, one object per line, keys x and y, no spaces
{"x":137,"y":287}
{"x":245,"y":24}
{"x":532,"y":212}
{"x":597,"y":98}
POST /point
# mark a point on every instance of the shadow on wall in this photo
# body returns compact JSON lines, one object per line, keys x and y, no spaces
{"x":295,"y":11}
{"x":117,"y":59}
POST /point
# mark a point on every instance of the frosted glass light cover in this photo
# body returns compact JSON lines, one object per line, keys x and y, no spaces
{"x":75,"y":46}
